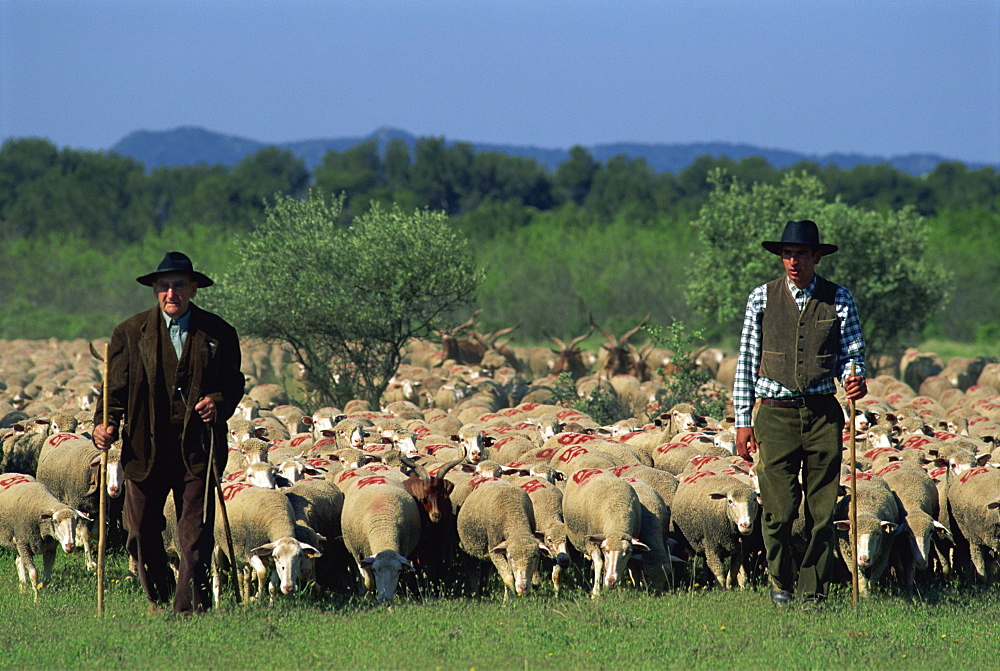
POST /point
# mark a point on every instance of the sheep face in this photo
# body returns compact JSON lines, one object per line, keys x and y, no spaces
{"x":874,"y":545}
{"x":611,"y":556}
{"x":925,"y":534}
{"x":381,"y":573}
{"x":287,"y":556}
{"x":517,"y":563}
{"x":63,"y":527}
{"x":741,"y":508}
{"x":261,"y":474}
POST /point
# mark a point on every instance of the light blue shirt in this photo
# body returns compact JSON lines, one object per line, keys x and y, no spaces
{"x":178,"y":330}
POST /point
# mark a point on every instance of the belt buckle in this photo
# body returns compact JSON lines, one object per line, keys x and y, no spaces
{"x":799,"y":401}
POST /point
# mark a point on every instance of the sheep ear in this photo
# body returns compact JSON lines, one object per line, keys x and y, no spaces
{"x":639,"y":545}
{"x":545,"y":550}
{"x":263,"y":550}
{"x":83,"y":515}
{"x":500,"y":549}
{"x":717,"y":495}
{"x":366,"y":562}
{"x":993,"y":505}
{"x":842,"y":525}
{"x":309,"y":550}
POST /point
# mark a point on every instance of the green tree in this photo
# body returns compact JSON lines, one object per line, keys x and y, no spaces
{"x":884,"y":260}
{"x":347,"y":299}
{"x":576,"y":174}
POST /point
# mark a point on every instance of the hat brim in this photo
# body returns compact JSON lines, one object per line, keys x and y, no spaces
{"x":776,"y":247}
{"x":202,"y":279}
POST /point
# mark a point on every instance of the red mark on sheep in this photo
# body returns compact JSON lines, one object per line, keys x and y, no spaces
{"x":533,"y":485}
{"x":571,"y":453}
{"x":60,"y":438}
{"x":582,"y":476}
{"x":18,"y":479}
{"x":973,"y":472}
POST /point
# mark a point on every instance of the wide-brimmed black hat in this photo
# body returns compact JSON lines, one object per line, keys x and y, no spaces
{"x":175,"y":262}
{"x":803,"y":232}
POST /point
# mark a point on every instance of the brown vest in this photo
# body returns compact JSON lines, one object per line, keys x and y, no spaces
{"x":799,"y":349}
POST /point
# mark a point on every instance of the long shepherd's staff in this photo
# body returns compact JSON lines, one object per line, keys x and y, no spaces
{"x":102,"y":482}
{"x":213,"y":476}
{"x":854,"y":500}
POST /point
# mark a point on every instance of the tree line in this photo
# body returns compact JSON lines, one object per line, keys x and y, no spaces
{"x":612,"y":239}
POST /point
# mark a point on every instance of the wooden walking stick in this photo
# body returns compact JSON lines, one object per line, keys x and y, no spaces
{"x":102,"y":482}
{"x":854,"y":500}
{"x":212,"y":475}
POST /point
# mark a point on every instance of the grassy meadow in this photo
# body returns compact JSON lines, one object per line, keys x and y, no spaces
{"x":941,"y":626}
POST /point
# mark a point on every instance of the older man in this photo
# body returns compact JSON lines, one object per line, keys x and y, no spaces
{"x":800,"y":332}
{"x":173,"y":380}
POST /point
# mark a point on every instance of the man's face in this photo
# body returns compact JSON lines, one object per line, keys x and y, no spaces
{"x":800,"y":263}
{"x":174,"y":292}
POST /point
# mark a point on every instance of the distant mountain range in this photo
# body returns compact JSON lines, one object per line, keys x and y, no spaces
{"x":189,"y":145}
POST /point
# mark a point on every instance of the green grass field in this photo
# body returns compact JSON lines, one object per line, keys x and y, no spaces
{"x":941,"y":627}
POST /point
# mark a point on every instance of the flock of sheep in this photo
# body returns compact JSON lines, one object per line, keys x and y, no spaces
{"x":470,"y":466}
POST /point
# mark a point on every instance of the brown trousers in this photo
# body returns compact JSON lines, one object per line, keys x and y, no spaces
{"x":145,"y":520}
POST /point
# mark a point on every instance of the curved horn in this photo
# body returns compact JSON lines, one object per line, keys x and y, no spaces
{"x":413,"y":467}
{"x":439,"y":476}
{"x":629,"y":334}
{"x":607,"y":334}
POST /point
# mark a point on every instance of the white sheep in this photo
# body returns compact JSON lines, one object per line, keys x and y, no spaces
{"x":547,"y":519}
{"x":879,"y":516}
{"x":33,"y":521}
{"x":70,"y":468}
{"x":714,"y":513}
{"x":974,"y":502}
{"x":495,"y":523}
{"x":656,"y":567}
{"x":604,"y":519}
{"x":381,"y":528}
{"x":262,"y":522}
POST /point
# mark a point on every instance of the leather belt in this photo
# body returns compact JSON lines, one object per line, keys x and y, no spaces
{"x":797,"y":402}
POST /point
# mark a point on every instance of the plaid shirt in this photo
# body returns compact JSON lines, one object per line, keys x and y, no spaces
{"x":748,"y":386}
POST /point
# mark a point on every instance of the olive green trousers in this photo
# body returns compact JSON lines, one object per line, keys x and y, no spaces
{"x":798,"y":467}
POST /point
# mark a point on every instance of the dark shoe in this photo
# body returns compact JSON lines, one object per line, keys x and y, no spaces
{"x":781,"y":597}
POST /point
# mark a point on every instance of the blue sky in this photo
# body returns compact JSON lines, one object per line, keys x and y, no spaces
{"x":876,"y":77}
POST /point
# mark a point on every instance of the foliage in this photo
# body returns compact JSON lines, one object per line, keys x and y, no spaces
{"x":609,"y":236}
{"x":884,"y":258}
{"x":564,"y":390}
{"x":60,"y":286}
{"x":347,"y":299}
{"x":686,"y":381}
{"x":561,"y":268}
{"x":969,"y":235}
